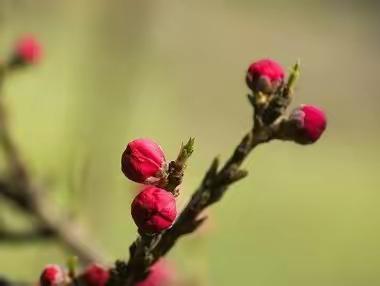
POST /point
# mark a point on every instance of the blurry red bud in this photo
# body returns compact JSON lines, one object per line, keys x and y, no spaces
{"x":52,"y":275}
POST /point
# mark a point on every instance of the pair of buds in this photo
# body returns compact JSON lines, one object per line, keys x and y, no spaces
{"x":265,"y":78}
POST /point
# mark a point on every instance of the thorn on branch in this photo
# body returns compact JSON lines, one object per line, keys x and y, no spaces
{"x":237,"y":176}
{"x":211,"y":173}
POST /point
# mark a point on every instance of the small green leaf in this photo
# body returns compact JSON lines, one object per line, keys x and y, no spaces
{"x":189,"y":147}
{"x":185,"y":151}
{"x":294,"y":75}
{"x":72,"y":263}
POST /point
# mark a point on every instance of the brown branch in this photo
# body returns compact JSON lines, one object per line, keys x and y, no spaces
{"x":268,"y":117}
{"x":148,"y":249}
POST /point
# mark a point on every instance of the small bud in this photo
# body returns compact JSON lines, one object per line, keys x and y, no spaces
{"x":161,"y":274}
{"x":95,"y":275}
{"x":52,"y":275}
{"x":309,"y":123}
{"x":264,"y":76}
{"x":143,"y":161}
{"x":27,"y":51}
{"x":153,"y":210}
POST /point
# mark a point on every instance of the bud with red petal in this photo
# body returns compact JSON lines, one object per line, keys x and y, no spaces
{"x":161,"y":274}
{"x":95,"y":275}
{"x":309,"y":122}
{"x":265,"y":76}
{"x":153,"y":210}
{"x":27,"y":51}
{"x":52,"y":275}
{"x":143,"y":161}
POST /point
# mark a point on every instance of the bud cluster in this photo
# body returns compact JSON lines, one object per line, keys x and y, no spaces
{"x":93,"y":275}
{"x":271,"y":96}
{"x":160,"y":274}
{"x":154,"y":208}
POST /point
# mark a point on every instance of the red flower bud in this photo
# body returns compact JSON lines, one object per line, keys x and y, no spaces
{"x":28,"y":51}
{"x":265,"y":76}
{"x":161,"y":274}
{"x":153,"y":210}
{"x":95,"y":275}
{"x":52,"y":275}
{"x":143,"y":161}
{"x":310,"y":123}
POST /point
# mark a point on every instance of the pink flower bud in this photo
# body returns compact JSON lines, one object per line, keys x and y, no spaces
{"x":143,"y":161}
{"x":265,"y":76}
{"x":310,"y":123}
{"x":95,"y":275}
{"x":161,"y":274}
{"x":52,"y":275}
{"x":153,"y":210}
{"x":28,"y":50}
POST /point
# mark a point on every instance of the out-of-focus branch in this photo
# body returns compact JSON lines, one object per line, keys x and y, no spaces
{"x":5,"y":282}
{"x":19,"y":189}
{"x":16,"y":237}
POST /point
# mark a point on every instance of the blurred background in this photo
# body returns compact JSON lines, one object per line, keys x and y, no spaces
{"x":165,"y":69}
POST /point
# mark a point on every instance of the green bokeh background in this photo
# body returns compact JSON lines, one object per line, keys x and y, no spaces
{"x":169,"y":69}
